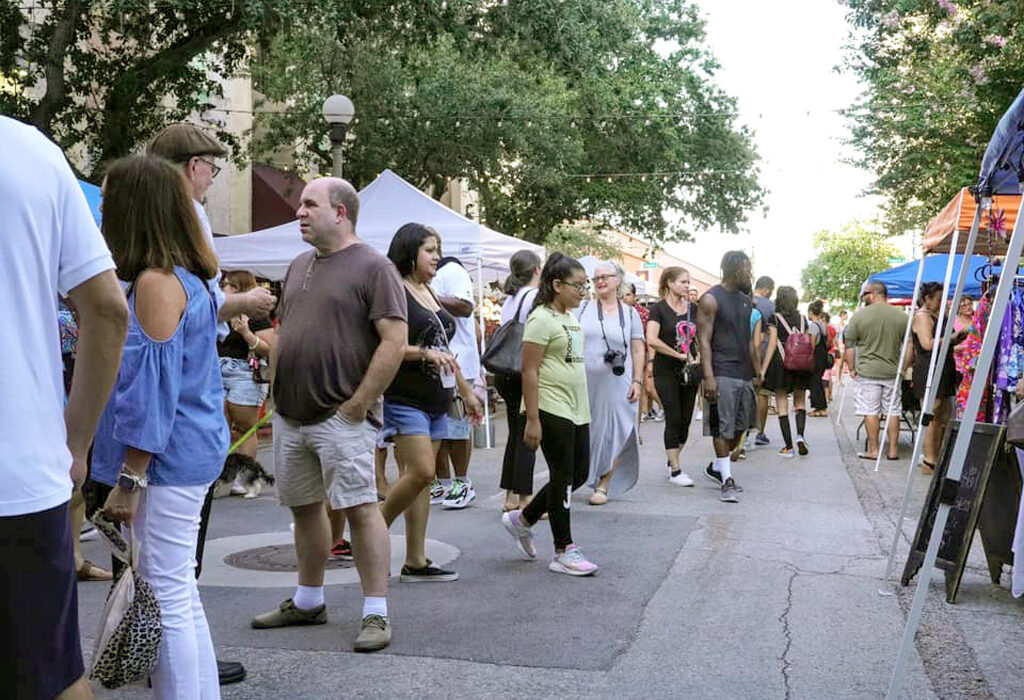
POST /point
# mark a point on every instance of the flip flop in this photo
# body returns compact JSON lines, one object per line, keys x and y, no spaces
{"x":864,"y":455}
{"x":892,"y":459}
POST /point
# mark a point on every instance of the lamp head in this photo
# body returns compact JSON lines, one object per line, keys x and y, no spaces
{"x":338,"y":109}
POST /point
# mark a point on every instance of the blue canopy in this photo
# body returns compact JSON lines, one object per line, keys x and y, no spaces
{"x":92,"y":196}
{"x":1002,"y":168}
{"x":900,"y":280}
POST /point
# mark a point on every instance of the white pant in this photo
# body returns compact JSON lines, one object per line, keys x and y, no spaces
{"x":167,"y":527}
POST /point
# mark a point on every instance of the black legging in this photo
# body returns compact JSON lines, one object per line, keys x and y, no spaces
{"x":566,"y":448}
{"x":517,"y":465}
{"x":677,"y":401}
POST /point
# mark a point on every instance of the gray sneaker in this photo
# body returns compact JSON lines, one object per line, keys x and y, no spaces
{"x":287,"y":615}
{"x":374,"y":634}
{"x":729,"y":492}
{"x":523,"y":535}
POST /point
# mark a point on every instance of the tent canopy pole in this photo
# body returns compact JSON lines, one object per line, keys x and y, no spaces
{"x":483,"y":349}
{"x":956,"y":462}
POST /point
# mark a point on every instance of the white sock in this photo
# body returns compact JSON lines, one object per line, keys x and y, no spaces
{"x":447,"y":483}
{"x":308,"y":597}
{"x":722,"y":466}
{"x":375,"y":606}
{"x":466,"y":480}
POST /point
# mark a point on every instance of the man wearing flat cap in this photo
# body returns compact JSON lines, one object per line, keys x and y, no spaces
{"x":195,"y":150}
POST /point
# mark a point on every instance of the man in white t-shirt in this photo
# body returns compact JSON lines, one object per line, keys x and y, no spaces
{"x":195,"y":151}
{"x":454,"y":289}
{"x":50,"y":245}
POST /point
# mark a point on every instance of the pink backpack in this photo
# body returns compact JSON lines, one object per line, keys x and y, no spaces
{"x":798,"y":350}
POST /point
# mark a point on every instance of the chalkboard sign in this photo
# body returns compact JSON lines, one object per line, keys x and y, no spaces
{"x":985,"y":447}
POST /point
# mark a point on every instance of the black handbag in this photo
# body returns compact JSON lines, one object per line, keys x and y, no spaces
{"x":504,"y":354}
{"x":691,"y":374}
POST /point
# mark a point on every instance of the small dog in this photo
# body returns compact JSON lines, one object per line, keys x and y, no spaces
{"x":243,"y":476}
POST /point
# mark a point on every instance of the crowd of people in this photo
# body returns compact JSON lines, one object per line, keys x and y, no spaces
{"x":173,"y":360}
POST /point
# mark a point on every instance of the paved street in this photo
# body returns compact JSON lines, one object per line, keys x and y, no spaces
{"x":776,"y":597}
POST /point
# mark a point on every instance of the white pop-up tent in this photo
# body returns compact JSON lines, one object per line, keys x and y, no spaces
{"x":384,"y":205}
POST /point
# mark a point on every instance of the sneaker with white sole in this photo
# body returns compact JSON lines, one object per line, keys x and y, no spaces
{"x":730,"y":493}
{"x":680,"y":479}
{"x":573,"y":563}
{"x":787,"y":453}
{"x":428,"y":573}
{"x":760,"y":440}
{"x":523,"y":535}
{"x":801,"y":446}
{"x":459,"y":496}
{"x":716,"y":476}
{"x":437,"y":492}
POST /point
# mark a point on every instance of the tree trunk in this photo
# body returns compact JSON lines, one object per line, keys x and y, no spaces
{"x":53,"y":70}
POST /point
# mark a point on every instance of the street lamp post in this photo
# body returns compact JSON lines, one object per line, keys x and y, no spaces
{"x":339,"y":112}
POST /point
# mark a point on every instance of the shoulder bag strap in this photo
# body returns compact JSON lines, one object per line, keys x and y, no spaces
{"x":519,"y":309}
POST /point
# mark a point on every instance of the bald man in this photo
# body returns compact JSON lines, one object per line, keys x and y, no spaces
{"x":341,"y":338}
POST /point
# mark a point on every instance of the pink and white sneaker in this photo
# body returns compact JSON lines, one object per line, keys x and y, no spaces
{"x":572,"y":562}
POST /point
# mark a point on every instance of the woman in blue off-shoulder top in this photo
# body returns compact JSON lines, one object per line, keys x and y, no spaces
{"x":162,"y":439}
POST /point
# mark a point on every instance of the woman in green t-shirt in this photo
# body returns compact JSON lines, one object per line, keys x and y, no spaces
{"x":557,"y":411}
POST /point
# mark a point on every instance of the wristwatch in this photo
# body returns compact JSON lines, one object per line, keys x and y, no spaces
{"x":128,"y":480}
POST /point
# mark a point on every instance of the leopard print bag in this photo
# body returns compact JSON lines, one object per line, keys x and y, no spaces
{"x":130,"y":630}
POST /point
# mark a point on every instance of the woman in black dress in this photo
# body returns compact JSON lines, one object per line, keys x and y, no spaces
{"x":775,"y":376}
{"x":929,"y":300}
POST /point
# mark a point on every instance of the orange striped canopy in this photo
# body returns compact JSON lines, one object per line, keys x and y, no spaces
{"x":958,"y":215}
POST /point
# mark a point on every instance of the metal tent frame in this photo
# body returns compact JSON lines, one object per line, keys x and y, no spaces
{"x":1002,"y":171}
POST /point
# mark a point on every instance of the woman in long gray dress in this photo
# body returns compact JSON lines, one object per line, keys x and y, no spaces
{"x":613,"y":347}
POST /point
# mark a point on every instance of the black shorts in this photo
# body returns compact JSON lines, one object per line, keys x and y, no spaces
{"x":40,"y":649}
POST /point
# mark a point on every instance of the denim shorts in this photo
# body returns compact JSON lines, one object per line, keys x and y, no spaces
{"x":239,"y":387}
{"x":400,"y":419}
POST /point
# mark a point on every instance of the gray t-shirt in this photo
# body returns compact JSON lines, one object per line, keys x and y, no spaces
{"x":767,"y":308}
{"x":327,"y":336}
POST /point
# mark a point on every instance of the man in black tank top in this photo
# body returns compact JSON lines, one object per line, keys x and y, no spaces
{"x":728,"y":358}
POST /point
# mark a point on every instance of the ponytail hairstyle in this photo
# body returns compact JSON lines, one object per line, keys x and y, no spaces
{"x":786,"y":300}
{"x":558,"y":267}
{"x":522,"y":265}
{"x":927,"y":289}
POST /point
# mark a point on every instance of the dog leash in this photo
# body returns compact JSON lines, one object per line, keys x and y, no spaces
{"x":251,"y":431}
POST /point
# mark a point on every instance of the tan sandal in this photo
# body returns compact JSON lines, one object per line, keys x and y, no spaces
{"x":599,"y":497}
{"x":90,"y":572}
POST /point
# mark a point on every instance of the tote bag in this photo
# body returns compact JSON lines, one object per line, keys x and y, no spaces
{"x":130,"y":631}
{"x":505,"y":353}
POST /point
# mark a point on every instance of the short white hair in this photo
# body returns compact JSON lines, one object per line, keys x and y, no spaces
{"x":618,"y":272}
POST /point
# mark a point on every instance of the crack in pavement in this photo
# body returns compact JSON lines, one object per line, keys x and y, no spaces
{"x":784,"y":620}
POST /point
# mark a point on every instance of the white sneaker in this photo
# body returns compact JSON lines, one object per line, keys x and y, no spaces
{"x":459,"y":496}
{"x":88,"y":533}
{"x":522,"y":534}
{"x":437,"y":492}
{"x":699,"y":415}
{"x":680,"y":479}
{"x":572,"y":562}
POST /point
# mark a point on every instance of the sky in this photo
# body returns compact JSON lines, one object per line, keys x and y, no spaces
{"x":778,"y":60}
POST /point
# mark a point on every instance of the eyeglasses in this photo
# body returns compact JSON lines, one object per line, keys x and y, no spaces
{"x":214,"y":168}
{"x":602,"y":278}
{"x":580,"y":287}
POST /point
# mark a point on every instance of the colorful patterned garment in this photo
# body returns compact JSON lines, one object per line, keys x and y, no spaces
{"x":68,"y":331}
{"x":966,"y":359}
{"x":1009,"y":357}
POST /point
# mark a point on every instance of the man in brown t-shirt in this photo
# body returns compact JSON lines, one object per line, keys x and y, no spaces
{"x":341,"y":338}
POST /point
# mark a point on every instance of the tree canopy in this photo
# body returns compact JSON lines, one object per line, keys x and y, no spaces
{"x":938,"y":76}
{"x":554,"y":111}
{"x":846,"y":258}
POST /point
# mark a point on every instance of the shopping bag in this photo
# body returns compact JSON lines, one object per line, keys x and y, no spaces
{"x":130,"y":631}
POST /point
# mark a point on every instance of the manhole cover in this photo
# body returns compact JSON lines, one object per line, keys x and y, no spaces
{"x":280,"y":557}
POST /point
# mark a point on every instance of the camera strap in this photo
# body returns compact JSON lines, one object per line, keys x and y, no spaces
{"x":622,"y":326}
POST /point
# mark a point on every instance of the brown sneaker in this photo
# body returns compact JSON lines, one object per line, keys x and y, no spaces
{"x":288,"y":615}
{"x":375,"y":634}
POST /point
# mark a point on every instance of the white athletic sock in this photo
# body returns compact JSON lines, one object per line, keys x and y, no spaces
{"x":447,"y":483}
{"x":308,"y":597}
{"x":722,"y":466}
{"x":375,"y":606}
